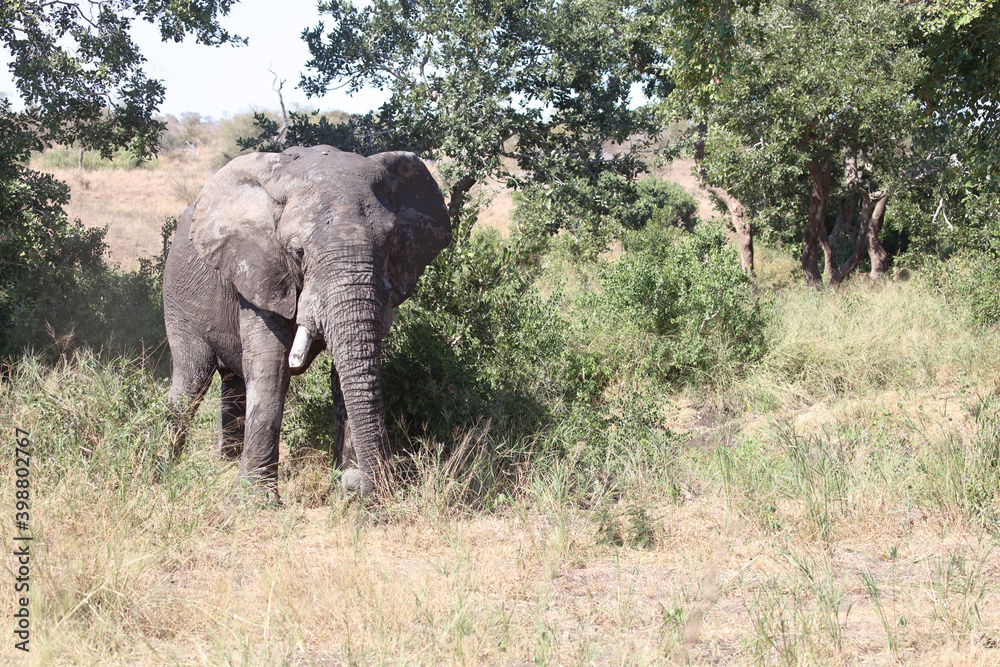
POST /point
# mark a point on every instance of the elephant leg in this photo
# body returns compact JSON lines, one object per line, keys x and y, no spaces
{"x":192,"y":368}
{"x":266,"y":340}
{"x":232,"y":416}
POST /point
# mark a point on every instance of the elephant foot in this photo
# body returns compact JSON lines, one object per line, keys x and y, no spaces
{"x":353,"y":480}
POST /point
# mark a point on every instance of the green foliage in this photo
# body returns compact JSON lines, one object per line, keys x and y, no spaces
{"x":592,"y":213}
{"x":663,"y":204}
{"x":583,"y":209}
{"x":685,"y":296}
{"x":961,"y":82}
{"x":40,"y":250}
{"x":310,"y":422}
{"x":970,"y":280}
{"x":80,"y":74}
{"x":266,"y":131}
{"x":521,"y":91}
{"x":944,"y":212}
{"x":80,"y":77}
{"x":475,"y":341}
{"x":91,"y":305}
{"x":787,"y":89}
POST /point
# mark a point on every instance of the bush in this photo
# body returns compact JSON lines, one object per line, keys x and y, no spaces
{"x":969,"y":280}
{"x":40,"y":249}
{"x":259,"y":130}
{"x":662,"y":205}
{"x":591,"y":214}
{"x":475,"y":341}
{"x":68,"y":157}
{"x":89,"y":304}
{"x":678,"y":306}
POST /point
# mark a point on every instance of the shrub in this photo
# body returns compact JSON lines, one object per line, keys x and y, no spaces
{"x":663,"y":204}
{"x":970,"y":280}
{"x":475,"y":341}
{"x":40,"y":249}
{"x":90,"y":304}
{"x":678,"y":305}
{"x":591,"y":214}
{"x":260,"y":130}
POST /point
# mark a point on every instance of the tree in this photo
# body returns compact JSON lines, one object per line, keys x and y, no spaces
{"x":79,"y":73}
{"x":797,"y":90}
{"x":961,"y":80}
{"x":694,"y":40}
{"x":80,"y":77}
{"x":520,"y":90}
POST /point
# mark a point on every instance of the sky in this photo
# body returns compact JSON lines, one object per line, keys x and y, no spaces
{"x":223,"y":81}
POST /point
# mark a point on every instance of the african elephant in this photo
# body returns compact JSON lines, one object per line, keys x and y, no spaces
{"x":280,"y":256}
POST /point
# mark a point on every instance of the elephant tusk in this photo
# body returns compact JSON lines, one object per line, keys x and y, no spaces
{"x":300,"y":348}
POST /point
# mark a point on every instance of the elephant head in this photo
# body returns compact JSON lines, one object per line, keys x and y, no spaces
{"x":332,"y":241}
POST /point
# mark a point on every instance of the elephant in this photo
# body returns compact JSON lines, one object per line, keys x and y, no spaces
{"x":280,"y":256}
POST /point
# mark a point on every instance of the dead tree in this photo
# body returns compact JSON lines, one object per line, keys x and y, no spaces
{"x":737,"y":212}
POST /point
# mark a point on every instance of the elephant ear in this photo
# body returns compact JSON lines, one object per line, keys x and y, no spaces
{"x":234,"y":230}
{"x":422,"y":226}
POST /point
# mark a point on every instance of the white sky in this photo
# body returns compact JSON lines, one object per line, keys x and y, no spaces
{"x":220,"y":82}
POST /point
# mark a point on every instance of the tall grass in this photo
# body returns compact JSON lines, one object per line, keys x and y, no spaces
{"x":583,"y":543}
{"x":864,"y":339}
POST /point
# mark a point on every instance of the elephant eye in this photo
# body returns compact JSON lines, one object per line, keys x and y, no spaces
{"x":295,"y":248}
{"x":297,"y":252}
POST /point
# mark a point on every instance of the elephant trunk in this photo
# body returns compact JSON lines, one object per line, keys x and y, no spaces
{"x":353,"y":328}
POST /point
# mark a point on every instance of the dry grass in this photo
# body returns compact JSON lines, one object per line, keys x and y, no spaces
{"x":304,"y":586}
{"x":134,"y":203}
{"x":738,"y":567}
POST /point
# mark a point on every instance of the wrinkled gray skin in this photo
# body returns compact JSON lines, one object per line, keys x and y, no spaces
{"x":311,"y":238}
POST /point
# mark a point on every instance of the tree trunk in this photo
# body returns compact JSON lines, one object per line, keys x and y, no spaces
{"x":737,"y":212}
{"x":738,"y":218}
{"x":860,"y":243}
{"x":869,"y":229}
{"x":844,"y":228}
{"x":876,"y":251}
{"x":815,"y":231}
{"x":456,"y":202}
